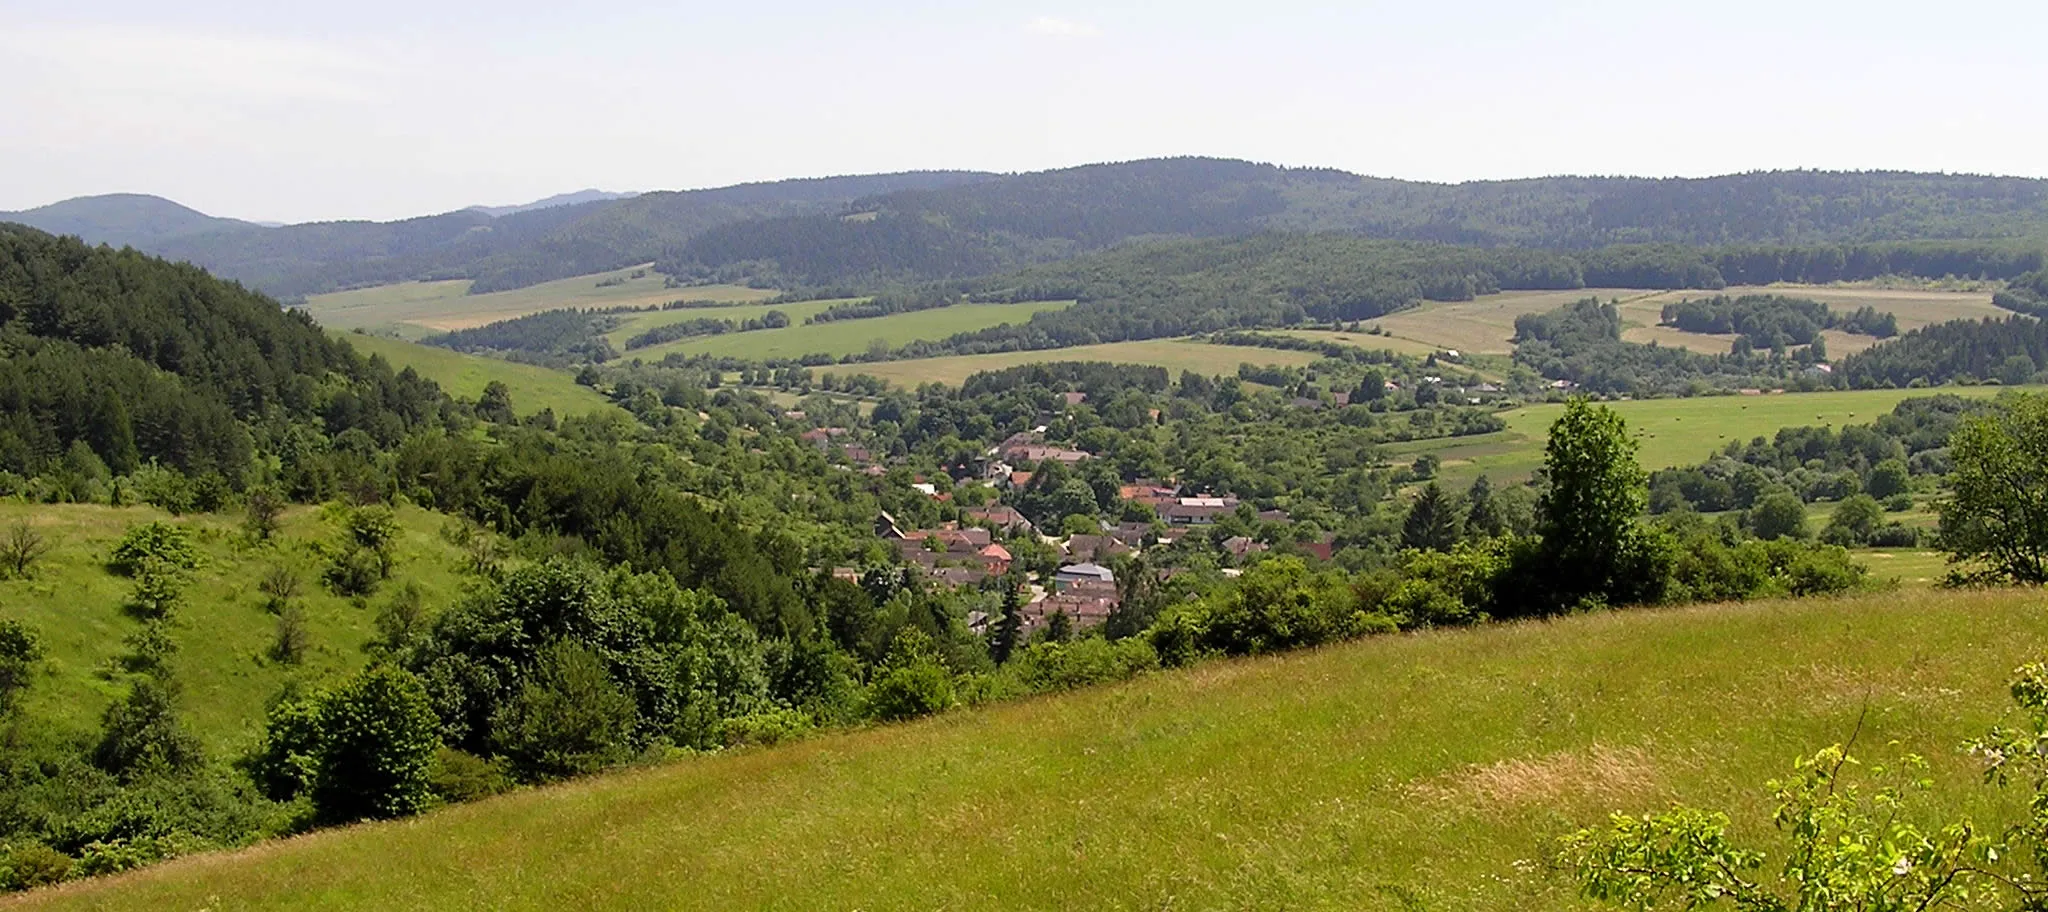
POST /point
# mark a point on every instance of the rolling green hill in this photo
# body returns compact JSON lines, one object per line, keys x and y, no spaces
{"x":1413,"y":772}
{"x":124,"y":219}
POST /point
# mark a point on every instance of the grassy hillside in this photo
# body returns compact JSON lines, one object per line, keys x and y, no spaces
{"x":1673,"y":432}
{"x":533,"y":387}
{"x":223,"y":631}
{"x":1175,"y":355}
{"x":420,"y":309}
{"x":635,"y":324}
{"x":848,"y":337}
{"x":1418,"y":772}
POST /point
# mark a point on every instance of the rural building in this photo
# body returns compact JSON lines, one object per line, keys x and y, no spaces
{"x":1085,"y":573}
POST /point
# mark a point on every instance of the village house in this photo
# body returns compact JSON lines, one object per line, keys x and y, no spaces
{"x":1084,"y":573}
{"x":1004,"y":518}
{"x":1197,"y":511}
{"x":1095,"y":548}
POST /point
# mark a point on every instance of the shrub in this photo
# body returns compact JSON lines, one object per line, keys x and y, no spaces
{"x":911,"y":681}
{"x":293,"y":639}
{"x":20,"y":651}
{"x":459,"y":776}
{"x":279,"y":586}
{"x":141,"y":733}
{"x":353,"y":572}
{"x":21,"y":546}
{"x":569,"y":718}
{"x":26,"y":867}
{"x":1090,"y":660}
{"x":284,"y":765}
{"x":263,"y":508}
{"x":159,"y":590}
{"x":157,"y":542}
{"x":763,"y":728}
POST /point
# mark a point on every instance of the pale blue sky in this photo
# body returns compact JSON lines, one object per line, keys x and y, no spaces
{"x":383,"y":109}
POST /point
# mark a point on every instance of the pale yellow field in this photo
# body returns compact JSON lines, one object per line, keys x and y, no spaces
{"x":1173,"y":354}
{"x":1484,"y":325}
{"x":1914,"y":308}
{"x":418,"y":309}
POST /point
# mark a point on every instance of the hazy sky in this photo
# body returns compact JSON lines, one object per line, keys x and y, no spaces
{"x":383,"y":109}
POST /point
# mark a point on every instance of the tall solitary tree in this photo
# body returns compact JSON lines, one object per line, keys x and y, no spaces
{"x":1996,"y":525}
{"x":1593,"y":549}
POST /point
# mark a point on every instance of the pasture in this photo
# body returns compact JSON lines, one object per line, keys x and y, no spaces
{"x":1175,"y":355}
{"x":1673,"y":432}
{"x":420,"y":309}
{"x":1425,"y":771}
{"x":533,"y":387}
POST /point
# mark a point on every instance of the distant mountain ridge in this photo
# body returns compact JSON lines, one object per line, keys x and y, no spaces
{"x":1017,"y":220}
{"x":869,"y":229}
{"x":559,"y":199}
{"x":124,"y":219}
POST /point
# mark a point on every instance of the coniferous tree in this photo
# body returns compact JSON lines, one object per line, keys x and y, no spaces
{"x":1432,"y":523}
{"x":1003,"y":642}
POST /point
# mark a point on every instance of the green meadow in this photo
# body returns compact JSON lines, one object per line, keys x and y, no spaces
{"x":1673,"y":432}
{"x":533,"y":387}
{"x":1427,"y":771}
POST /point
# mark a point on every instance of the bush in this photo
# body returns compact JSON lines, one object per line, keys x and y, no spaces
{"x":378,"y":736}
{"x":284,"y":765}
{"x":26,"y":867}
{"x":353,"y":572}
{"x":911,"y":681}
{"x":1177,"y":637}
{"x":1092,"y":660}
{"x":279,"y":586}
{"x":21,"y":546}
{"x":459,"y":776}
{"x":293,"y":639}
{"x":159,"y":590}
{"x":763,"y":728}
{"x":1279,"y":604}
{"x":569,"y":719}
{"x":153,"y":542}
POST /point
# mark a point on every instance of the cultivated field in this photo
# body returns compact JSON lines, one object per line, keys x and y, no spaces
{"x":1673,"y":432}
{"x":1175,"y":355}
{"x":846,"y":337}
{"x":1487,"y":324}
{"x":419,"y":309}
{"x":533,"y":387}
{"x":634,"y":324}
{"x":223,"y":631}
{"x":1428,"y":771}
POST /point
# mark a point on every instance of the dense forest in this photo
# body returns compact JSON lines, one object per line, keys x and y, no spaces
{"x":979,"y":227}
{"x":929,"y":225}
{"x":1774,"y":322}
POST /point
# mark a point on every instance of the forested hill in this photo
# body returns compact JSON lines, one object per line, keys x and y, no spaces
{"x":124,"y":219}
{"x":974,"y":228}
{"x":110,"y":359}
{"x":506,"y":251}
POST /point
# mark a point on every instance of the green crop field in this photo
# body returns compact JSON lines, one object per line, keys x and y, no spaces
{"x":1426,"y":771}
{"x":634,"y":324}
{"x":533,"y":387}
{"x":846,"y":337}
{"x":419,"y":309}
{"x":1175,"y":355}
{"x":223,"y":631}
{"x":1673,"y":431}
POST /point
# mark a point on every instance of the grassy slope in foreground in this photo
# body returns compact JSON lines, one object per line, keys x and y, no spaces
{"x":533,"y":387}
{"x":1403,"y":772}
{"x":417,"y":309}
{"x":1175,"y":355}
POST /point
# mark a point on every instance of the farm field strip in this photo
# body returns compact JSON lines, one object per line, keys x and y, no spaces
{"x":418,"y":309}
{"x":533,"y":387}
{"x":1175,"y":355}
{"x":848,"y":337}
